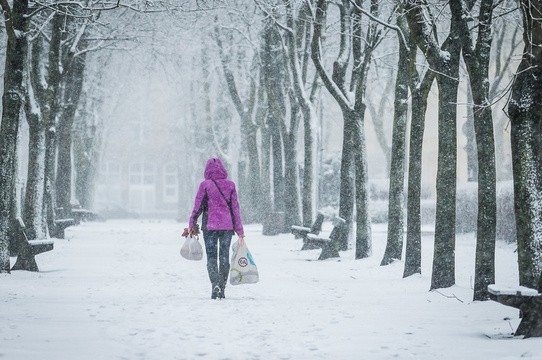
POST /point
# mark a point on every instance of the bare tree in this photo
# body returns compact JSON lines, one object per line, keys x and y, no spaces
{"x":477,"y":56}
{"x":12,"y":102}
{"x":377,"y":112}
{"x":246,"y":110}
{"x":41,"y":108}
{"x":525,"y":111}
{"x":394,"y":245}
{"x":444,"y":60}
{"x":298,"y":33}
{"x":351,"y":99}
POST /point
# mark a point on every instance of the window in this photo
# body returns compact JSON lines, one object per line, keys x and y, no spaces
{"x":141,"y":174}
{"x":170,"y":183}
{"x":110,"y":173}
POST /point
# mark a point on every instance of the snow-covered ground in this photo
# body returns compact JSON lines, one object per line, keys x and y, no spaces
{"x":120,"y":290}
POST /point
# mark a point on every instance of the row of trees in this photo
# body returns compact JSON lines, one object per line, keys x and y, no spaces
{"x":462,"y":33}
{"x":277,"y":67}
{"x":48,"y":45}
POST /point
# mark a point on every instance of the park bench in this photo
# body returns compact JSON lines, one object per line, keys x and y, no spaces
{"x":80,"y":215}
{"x":62,"y":222}
{"x":60,"y":227}
{"x":301,"y":232}
{"x":329,"y":245}
{"x":528,"y":301}
{"x":26,"y":249}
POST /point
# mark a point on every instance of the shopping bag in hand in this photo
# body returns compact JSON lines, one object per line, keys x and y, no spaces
{"x":192,"y":249}
{"x":243,"y":269}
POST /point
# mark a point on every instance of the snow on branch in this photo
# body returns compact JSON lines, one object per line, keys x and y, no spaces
{"x":147,"y":7}
{"x":275,"y":20}
{"x":382,"y":22}
{"x":8,"y":16}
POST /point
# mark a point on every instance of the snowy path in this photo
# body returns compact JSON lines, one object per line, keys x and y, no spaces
{"x":120,"y":290}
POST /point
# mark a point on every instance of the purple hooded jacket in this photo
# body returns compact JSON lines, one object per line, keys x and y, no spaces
{"x":209,"y":201}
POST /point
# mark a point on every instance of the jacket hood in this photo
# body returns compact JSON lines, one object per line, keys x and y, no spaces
{"x":215,"y":170}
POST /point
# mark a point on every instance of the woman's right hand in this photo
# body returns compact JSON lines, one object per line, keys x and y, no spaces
{"x":241,"y":239}
{"x":194,"y":231}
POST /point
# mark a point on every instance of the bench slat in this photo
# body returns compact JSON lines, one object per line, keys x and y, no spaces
{"x":41,"y":242}
{"x":300,"y":228}
{"x":41,"y":246}
{"x":520,"y":290}
{"x":312,"y":237}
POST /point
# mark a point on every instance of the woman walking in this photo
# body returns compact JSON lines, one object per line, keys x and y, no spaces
{"x":217,"y":201}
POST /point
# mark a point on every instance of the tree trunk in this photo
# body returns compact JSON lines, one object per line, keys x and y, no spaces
{"x":470,"y":146}
{"x":299,"y":34}
{"x":64,"y":161}
{"x":445,"y":62}
{"x":253,"y":176}
{"x":33,"y":216}
{"x":49,"y":194}
{"x":363,"y":223}
{"x":291,"y":179}
{"x":525,"y":110}
{"x":277,"y":175}
{"x":477,"y":60}
{"x":413,"y":252}
{"x":86,"y":145}
{"x":267,"y":202}
{"x":487,"y":192}
{"x":308,"y":169}
{"x":73,"y":89}
{"x":444,"y":253}
{"x":16,"y":26}
{"x":249,"y":131}
{"x":85,"y":166}
{"x":394,"y":245}
{"x":346,"y":188}
{"x":51,"y":110}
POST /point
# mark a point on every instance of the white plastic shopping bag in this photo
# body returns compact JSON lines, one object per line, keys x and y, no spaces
{"x":192,"y":249}
{"x":243,"y":269}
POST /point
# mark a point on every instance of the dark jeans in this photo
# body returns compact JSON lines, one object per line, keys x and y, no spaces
{"x":217,"y":246}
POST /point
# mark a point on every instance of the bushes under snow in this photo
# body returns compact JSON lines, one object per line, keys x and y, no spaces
{"x":467,"y":209}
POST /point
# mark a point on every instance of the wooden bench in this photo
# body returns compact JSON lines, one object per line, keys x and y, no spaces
{"x":329,"y":245}
{"x":528,"y":301}
{"x":301,"y":232}
{"x":80,"y":215}
{"x":26,"y":250}
{"x":60,"y":227}
{"x":62,"y":221}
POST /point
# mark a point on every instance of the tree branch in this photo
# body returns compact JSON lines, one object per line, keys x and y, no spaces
{"x":319,"y":20}
{"x":8,"y":17}
{"x":230,"y":80}
{"x":382,"y":22}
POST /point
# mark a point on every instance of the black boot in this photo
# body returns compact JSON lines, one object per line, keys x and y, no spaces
{"x":222,"y":294}
{"x":216,"y":292}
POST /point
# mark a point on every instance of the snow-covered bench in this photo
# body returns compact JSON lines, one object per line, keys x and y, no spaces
{"x":328,"y":245}
{"x":60,"y":227}
{"x":301,"y":232}
{"x":528,"y":301}
{"x":80,"y":215}
{"x":26,"y":250}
